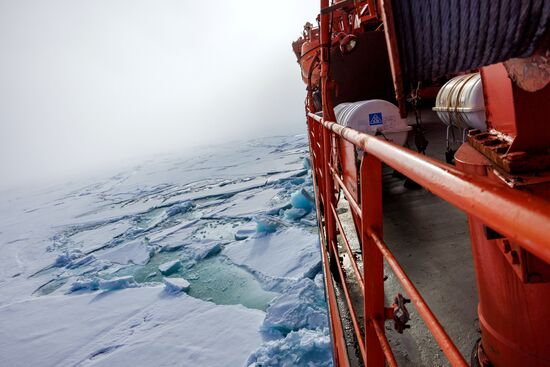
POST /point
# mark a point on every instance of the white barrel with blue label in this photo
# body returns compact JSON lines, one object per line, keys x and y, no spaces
{"x":374,"y":117}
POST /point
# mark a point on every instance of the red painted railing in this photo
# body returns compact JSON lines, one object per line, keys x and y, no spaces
{"x":500,"y":207}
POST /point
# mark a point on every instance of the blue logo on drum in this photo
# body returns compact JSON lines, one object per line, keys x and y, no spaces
{"x":375,"y":118}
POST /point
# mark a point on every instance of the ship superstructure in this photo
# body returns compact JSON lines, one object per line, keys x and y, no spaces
{"x":375,"y":71}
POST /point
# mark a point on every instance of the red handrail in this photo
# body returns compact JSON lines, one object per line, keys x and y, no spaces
{"x":500,"y":207}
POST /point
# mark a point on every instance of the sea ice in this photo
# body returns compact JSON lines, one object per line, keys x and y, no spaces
{"x":301,"y":305}
{"x":301,"y":199}
{"x":135,"y":252}
{"x":278,"y":209}
{"x":307,"y":222}
{"x":299,"y":348}
{"x":244,"y":233}
{"x":85,"y":285}
{"x":202,"y":249}
{"x":80,"y":261}
{"x":98,"y":229}
{"x":295,"y":213}
{"x":306,"y":163}
{"x":171,"y":247}
{"x":176,"y":285}
{"x":91,"y":238}
{"x":265,"y":224}
{"x":117,"y":283}
{"x":296,"y":250}
{"x":66,"y":258}
{"x":179,"y":208}
{"x":170,"y":267}
{"x":138,"y":326}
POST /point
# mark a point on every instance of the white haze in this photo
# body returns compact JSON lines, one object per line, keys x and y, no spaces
{"x":90,"y":85}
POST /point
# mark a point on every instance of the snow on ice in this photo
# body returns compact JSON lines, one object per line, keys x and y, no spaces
{"x":170,"y":267}
{"x":209,"y":259}
{"x":176,"y":285}
{"x":289,"y":253}
{"x":304,"y":347}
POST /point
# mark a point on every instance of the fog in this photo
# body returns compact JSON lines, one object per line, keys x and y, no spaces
{"x":92,"y":85}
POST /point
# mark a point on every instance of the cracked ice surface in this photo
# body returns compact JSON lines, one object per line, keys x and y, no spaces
{"x":92,"y":273}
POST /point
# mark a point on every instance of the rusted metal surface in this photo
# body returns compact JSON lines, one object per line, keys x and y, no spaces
{"x":400,"y":314}
{"x":497,"y":148}
{"x":519,"y":114}
{"x":532,"y":73}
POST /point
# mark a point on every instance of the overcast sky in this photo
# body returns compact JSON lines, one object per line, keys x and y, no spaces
{"x":91,"y":84}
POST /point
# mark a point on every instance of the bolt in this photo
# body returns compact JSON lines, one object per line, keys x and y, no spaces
{"x":515,"y":257}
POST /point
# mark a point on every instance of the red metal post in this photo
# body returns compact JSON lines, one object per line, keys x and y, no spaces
{"x":371,"y":209}
{"x":339,"y":350}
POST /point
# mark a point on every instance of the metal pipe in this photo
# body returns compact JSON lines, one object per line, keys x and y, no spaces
{"x":518,"y":215}
{"x":441,"y":337}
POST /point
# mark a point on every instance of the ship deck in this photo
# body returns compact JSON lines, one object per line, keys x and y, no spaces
{"x":430,"y":239}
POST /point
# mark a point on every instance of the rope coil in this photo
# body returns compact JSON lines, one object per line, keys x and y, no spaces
{"x":439,"y":37}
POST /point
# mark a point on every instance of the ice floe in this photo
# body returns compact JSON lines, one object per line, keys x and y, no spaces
{"x":299,"y":348}
{"x":170,"y":267}
{"x":302,"y":305}
{"x":122,"y":270}
{"x":133,"y":252}
{"x":301,"y":199}
{"x":295,"y":250}
{"x":117,"y":283}
{"x":176,"y":285}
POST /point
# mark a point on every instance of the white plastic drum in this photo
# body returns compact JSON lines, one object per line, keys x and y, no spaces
{"x":460,"y":102}
{"x":374,"y":117}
